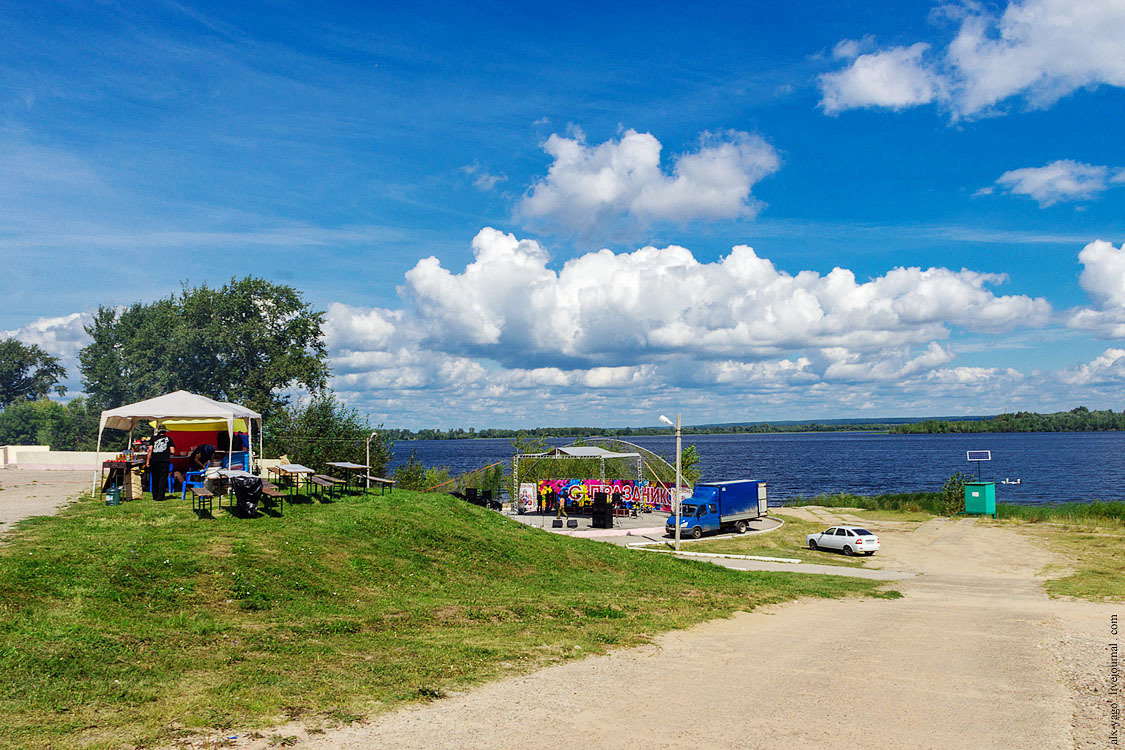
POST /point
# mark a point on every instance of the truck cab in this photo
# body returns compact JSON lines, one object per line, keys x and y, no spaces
{"x":696,"y":518}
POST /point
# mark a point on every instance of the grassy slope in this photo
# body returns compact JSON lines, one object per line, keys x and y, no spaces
{"x":138,"y":623}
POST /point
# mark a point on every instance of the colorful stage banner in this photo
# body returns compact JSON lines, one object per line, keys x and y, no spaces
{"x":656,"y":495}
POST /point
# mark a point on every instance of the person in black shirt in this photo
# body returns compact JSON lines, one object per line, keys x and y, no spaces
{"x":158,"y":459}
{"x":199,"y":460}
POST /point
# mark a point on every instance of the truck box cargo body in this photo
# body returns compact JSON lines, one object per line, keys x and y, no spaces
{"x":720,"y":506}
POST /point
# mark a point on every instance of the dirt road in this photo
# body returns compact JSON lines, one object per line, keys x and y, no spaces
{"x":973,"y":656}
{"x":37,"y":493}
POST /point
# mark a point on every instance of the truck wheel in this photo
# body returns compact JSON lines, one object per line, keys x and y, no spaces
{"x":740,"y":527}
{"x":696,"y":532}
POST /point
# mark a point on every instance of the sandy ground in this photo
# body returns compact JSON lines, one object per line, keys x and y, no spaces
{"x":973,"y":656}
{"x":37,"y":493}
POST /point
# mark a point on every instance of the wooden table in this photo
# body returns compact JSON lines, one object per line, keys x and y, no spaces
{"x":292,"y":470}
{"x":120,"y":469}
{"x":349,"y":468}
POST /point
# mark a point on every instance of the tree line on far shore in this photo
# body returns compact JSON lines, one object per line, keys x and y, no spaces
{"x":1079,"y":419}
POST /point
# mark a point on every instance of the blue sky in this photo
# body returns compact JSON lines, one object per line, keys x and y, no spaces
{"x":589,"y":215}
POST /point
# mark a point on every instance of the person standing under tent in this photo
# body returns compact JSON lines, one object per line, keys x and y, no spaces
{"x":157,"y":460}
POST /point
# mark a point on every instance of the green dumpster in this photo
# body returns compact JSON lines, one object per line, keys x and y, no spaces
{"x":980,"y":498}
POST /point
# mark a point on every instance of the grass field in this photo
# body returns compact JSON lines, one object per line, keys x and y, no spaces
{"x":1090,"y":537}
{"x":788,"y":541}
{"x":137,"y":625}
{"x":915,"y":502}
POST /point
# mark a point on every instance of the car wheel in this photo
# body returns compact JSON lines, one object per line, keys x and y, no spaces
{"x":812,"y":545}
{"x":696,"y":532}
{"x":740,"y":527}
{"x":869,"y":554}
{"x":848,"y":551}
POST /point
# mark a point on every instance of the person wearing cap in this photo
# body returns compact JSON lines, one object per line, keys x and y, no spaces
{"x":158,"y":459}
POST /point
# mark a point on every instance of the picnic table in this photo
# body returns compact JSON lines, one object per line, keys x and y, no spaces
{"x":349,"y":469}
{"x":291,"y":471}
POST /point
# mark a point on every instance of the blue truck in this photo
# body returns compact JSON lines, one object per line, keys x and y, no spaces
{"x":720,"y":506}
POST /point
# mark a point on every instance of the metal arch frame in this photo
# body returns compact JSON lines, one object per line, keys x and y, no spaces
{"x":644,"y":453}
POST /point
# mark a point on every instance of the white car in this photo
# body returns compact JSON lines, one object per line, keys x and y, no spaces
{"x":850,"y":540}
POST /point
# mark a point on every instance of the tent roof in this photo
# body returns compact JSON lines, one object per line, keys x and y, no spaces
{"x":583,"y":452}
{"x":179,"y":404}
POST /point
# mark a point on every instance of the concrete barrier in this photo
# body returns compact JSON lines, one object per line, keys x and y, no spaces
{"x":42,"y":458}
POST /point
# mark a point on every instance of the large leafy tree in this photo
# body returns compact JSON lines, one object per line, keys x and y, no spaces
{"x":27,"y":372}
{"x":247,"y":342}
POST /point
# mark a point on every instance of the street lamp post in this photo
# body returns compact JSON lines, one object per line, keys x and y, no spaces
{"x":679,"y":481}
{"x":367,"y":487}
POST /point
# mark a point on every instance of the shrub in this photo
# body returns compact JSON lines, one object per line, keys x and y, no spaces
{"x":953,"y":494}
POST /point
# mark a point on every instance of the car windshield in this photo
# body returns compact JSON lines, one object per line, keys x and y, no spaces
{"x":862,"y":532}
{"x":687,"y":510}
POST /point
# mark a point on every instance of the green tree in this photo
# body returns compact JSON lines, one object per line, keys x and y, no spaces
{"x":412,"y":474}
{"x":689,"y":465}
{"x":249,"y":342}
{"x":953,"y":494}
{"x":72,"y":426}
{"x":27,"y":372}
{"x":321,"y":429}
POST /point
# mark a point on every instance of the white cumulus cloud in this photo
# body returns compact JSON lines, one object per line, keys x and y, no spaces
{"x":1039,"y":50}
{"x":894,"y":78}
{"x":604,"y":308}
{"x":1103,"y":280}
{"x":1106,"y":369}
{"x":1059,"y":181}
{"x":591,"y":189}
{"x":61,"y":336}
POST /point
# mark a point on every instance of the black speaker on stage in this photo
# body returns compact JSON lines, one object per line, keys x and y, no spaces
{"x":599,"y":512}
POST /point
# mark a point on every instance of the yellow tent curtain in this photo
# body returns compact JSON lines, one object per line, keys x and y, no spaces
{"x":201,"y":425}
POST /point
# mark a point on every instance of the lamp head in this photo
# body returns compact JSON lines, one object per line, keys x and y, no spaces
{"x":667,"y":421}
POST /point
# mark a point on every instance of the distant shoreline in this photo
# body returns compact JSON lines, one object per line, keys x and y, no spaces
{"x":1079,"y":419}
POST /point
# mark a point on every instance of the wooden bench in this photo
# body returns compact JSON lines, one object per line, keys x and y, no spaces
{"x":275,"y":495}
{"x":201,"y":497}
{"x":384,"y":484}
{"x":323,"y":481}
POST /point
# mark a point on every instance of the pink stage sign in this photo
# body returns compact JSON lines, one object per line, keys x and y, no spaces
{"x":656,"y":495}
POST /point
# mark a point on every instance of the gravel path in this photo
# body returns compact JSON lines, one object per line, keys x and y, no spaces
{"x":974,"y":655}
{"x":25,"y":493}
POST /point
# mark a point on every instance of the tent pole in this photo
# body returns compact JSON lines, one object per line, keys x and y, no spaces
{"x":250,"y":445}
{"x":97,"y":465}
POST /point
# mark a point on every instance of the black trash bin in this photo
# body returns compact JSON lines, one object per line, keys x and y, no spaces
{"x":247,"y":494}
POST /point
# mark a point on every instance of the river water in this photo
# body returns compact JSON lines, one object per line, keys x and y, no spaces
{"x":1053,"y":466}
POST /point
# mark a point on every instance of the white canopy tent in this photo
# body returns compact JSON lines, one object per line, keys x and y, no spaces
{"x":174,"y":406}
